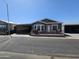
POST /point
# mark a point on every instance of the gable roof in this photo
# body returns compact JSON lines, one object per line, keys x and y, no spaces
{"x":46,"y":21}
{"x":3,"y":22}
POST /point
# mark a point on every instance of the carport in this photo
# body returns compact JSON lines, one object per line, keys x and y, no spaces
{"x":23,"y":29}
{"x":71,"y":28}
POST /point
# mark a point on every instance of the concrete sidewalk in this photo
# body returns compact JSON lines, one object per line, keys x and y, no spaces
{"x":42,"y":37}
{"x":20,"y":35}
{"x":71,"y":36}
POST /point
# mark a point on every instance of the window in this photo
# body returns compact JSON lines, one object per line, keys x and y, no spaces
{"x":42,"y":28}
{"x":2,"y":26}
{"x":34,"y":26}
{"x":54,"y":27}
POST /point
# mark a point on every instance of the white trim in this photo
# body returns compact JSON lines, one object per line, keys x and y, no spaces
{"x":52,"y":27}
{"x":57,"y":27}
{"x":62,"y":28}
{"x":40,"y":28}
{"x":48,"y":28}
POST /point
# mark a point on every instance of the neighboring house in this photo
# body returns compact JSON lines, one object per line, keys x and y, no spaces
{"x":71,"y":28}
{"x":46,"y":26}
{"x":4,"y":27}
{"x":22,"y":28}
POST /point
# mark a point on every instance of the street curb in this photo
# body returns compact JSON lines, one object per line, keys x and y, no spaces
{"x":33,"y":56}
{"x":26,"y":56}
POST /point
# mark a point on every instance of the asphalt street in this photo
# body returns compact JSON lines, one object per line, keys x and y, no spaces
{"x":39,"y":45}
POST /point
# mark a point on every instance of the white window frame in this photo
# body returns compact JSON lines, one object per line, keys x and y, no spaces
{"x":35,"y":26}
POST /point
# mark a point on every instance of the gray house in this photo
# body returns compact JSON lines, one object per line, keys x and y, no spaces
{"x":46,"y":26}
{"x":4,"y":27}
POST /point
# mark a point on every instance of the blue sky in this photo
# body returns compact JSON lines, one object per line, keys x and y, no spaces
{"x":27,"y":11}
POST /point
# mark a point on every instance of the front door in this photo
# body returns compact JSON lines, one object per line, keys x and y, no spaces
{"x":48,"y":28}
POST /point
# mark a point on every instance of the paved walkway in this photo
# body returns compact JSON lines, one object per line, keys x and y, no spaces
{"x":73,"y":36}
